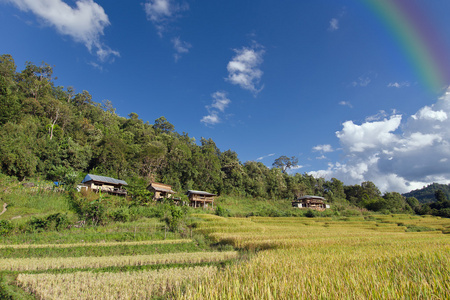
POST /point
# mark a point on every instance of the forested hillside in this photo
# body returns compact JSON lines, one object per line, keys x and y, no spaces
{"x":60,"y":134}
{"x":427,"y":194}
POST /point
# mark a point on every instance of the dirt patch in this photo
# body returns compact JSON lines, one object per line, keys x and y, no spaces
{"x":4,"y":208}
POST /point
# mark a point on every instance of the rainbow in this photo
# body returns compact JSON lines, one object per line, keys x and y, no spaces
{"x":418,"y":39}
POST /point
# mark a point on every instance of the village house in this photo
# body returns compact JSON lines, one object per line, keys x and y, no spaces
{"x":311,"y":202}
{"x":102,"y":183}
{"x":201,"y":199}
{"x":160,"y":190}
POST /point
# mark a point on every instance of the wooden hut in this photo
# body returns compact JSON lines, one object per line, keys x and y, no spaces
{"x":161,"y":190}
{"x":311,"y":202}
{"x":201,"y":199}
{"x":105,"y":184}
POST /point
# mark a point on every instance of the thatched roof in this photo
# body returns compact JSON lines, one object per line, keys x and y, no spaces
{"x":160,"y":187}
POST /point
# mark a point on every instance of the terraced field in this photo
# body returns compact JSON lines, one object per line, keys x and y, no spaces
{"x":322,"y":258}
{"x":105,"y":270}
{"x":377,"y":257}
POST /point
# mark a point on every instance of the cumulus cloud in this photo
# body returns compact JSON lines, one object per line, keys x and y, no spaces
{"x":397,"y":153}
{"x":323,"y":148}
{"x":210,"y":119}
{"x":85,"y":22}
{"x":220,"y":101}
{"x":162,"y":12}
{"x":427,"y":113}
{"x":181,"y":47}
{"x":244,"y":68}
{"x":219,"y":104}
{"x":369,"y":135}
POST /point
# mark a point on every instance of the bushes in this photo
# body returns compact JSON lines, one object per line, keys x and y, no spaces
{"x":121,"y":214}
{"x":56,"y":221}
{"x":222,"y":212}
{"x":5,"y":227}
{"x":174,"y":218}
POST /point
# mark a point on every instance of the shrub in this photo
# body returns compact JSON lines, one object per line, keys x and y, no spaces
{"x":36,"y":225}
{"x":222,"y":212}
{"x":121,"y":214}
{"x":57,"y":221}
{"x":174,"y":218}
{"x":310,"y":213}
{"x":5,"y":227}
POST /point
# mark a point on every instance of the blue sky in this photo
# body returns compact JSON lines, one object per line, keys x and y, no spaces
{"x":325,"y":81}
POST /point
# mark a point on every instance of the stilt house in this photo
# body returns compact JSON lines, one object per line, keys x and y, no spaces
{"x":201,"y":199}
{"x":103,"y":183}
{"x":311,"y":202}
{"x":161,"y":190}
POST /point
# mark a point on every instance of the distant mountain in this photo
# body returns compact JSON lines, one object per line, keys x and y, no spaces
{"x":426,"y":194}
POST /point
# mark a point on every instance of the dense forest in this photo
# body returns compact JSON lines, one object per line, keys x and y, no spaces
{"x":427,"y":194}
{"x":59,"y":134}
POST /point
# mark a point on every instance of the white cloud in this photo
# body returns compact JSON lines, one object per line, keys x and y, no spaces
{"x":265,"y":156}
{"x":323,"y":148}
{"x":162,"y":12}
{"x":219,"y":104}
{"x":211,"y":119}
{"x":369,"y":135}
{"x":396,"y":156}
{"x":220,"y":101}
{"x":427,"y":113}
{"x":85,"y":22}
{"x":378,"y":116}
{"x":346,"y":103}
{"x":364,"y":80}
{"x":181,"y":47}
{"x":244,"y":68}
{"x":399,"y":84}
{"x":334,"y":24}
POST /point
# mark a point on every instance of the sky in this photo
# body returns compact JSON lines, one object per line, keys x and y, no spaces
{"x":355,"y":89}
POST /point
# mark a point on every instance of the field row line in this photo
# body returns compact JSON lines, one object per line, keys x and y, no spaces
{"x":104,"y":244}
{"x":39,"y":264}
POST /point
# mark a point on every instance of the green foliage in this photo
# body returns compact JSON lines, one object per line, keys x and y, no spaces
{"x":310,"y":213}
{"x":121,"y":214}
{"x":174,"y":218}
{"x":222,"y":212}
{"x":90,"y":207}
{"x":56,"y":222}
{"x":427,"y":194}
{"x":284,"y":163}
{"x":5,"y":227}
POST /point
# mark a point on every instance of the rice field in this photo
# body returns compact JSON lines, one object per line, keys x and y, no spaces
{"x":377,"y":257}
{"x":323,"y":258}
{"x":125,"y":285}
{"x":104,"y":244}
{"x":39,"y":264}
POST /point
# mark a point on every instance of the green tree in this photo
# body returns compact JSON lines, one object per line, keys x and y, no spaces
{"x":162,"y":125}
{"x":9,"y":100}
{"x":284,"y":163}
